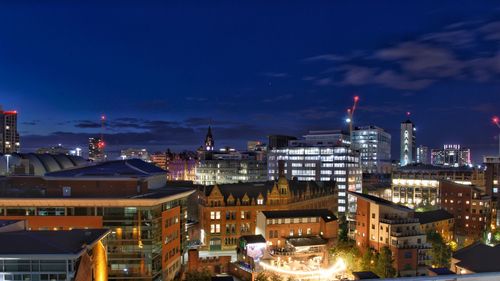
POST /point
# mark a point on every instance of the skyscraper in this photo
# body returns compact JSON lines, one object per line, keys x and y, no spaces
{"x":96,"y":149}
{"x":408,"y":143}
{"x":9,"y":137}
{"x":374,"y":145}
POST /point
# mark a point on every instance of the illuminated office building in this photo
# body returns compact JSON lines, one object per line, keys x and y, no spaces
{"x":451,"y":155}
{"x":374,"y":146}
{"x":320,"y":156}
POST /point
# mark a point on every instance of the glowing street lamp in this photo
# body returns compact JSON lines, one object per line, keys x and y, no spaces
{"x":7,"y":156}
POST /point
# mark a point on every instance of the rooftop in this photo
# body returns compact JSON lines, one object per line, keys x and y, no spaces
{"x":326,"y":214}
{"x":253,"y":189}
{"x":479,"y":258}
{"x":380,"y":201}
{"x":306,"y":241}
{"x":432,"y":216}
{"x":70,"y":242}
{"x":360,"y":275}
{"x":252,"y":239}
{"x":132,"y":168}
{"x":429,"y":167}
{"x":441,"y":271}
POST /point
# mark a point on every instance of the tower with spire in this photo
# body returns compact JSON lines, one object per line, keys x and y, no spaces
{"x":209,"y":140}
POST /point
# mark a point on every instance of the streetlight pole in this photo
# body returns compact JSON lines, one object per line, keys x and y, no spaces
{"x":7,"y":156}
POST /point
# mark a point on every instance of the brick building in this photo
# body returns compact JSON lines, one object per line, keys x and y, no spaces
{"x":280,"y":227}
{"x":230,"y":211}
{"x":439,"y":221}
{"x":130,"y":198}
{"x":381,"y":223}
{"x":470,"y":207}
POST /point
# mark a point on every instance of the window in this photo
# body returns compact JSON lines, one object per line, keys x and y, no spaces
{"x":373,"y":215}
{"x":308,"y":231}
{"x":260,"y":201}
{"x":215,"y":215}
{"x":215,"y":228}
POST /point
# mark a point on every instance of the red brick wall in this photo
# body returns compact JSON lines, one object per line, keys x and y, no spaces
{"x":362,"y":224}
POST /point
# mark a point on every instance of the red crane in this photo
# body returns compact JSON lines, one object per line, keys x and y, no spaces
{"x":350,"y":114}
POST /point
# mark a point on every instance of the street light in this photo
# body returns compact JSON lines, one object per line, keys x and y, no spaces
{"x":7,"y":156}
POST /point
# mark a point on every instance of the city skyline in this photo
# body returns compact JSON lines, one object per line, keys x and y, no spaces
{"x":248,"y":78}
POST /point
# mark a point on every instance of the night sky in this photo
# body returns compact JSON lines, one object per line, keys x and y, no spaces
{"x":163,"y":71}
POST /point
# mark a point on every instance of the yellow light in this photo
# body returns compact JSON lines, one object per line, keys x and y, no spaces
{"x":339,"y":266}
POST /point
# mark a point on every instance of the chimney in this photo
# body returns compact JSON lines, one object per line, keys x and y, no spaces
{"x":281,"y":168}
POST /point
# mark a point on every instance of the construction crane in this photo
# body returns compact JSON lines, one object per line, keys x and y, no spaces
{"x":496,"y":121}
{"x":350,"y":114}
{"x":101,"y":143}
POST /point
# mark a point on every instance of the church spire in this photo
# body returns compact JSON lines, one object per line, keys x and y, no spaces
{"x":209,"y":140}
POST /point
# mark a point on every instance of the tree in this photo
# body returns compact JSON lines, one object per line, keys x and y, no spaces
{"x":440,"y":252}
{"x":275,"y":277}
{"x":198,"y":275}
{"x":348,"y":252}
{"x":368,"y":260}
{"x":383,"y":265}
{"x":344,"y":229}
{"x":262,"y":276}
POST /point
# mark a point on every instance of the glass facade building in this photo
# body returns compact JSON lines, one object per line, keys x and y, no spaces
{"x":374,"y":146}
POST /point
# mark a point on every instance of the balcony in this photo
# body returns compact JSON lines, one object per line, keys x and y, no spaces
{"x":398,"y":220}
{"x":407,"y":233}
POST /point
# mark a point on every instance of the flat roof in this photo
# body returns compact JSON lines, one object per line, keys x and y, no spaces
{"x":251,"y":239}
{"x":433,"y":216}
{"x":156,"y":196}
{"x":52,"y":243}
{"x":380,"y":201}
{"x":326,"y":214}
{"x":111,"y":169}
{"x":306,"y":241}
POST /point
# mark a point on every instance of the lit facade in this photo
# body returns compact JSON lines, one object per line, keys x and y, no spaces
{"x":381,"y":223}
{"x":470,"y":207}
{"x":374,"y":146}
{"x":452,"y":155}
{"x":320,"y":158}
{"x":423,"y":155}
{"x":147,"y":220}
{"x":230,"y":211}
{"x":418,"y":185}
{"x":408,"y":147}
{"x":9,"y":136}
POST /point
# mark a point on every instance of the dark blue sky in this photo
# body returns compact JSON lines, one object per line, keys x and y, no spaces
{"x":163,"y":71}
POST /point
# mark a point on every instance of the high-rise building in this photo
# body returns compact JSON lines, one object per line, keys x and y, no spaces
{"x":451,"y":155}
{"x":408,"y":143}
{"x":96,"y":149}
{"x":423,"y":155}
{"x":374,"y":146}
{"x":9,"y":137}
{"x":492,"y":175}
{"x":320,"y":156}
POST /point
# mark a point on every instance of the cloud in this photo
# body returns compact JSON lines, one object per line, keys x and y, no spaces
{"x":275,"y":74}
{"x":197,"y":99}
{"x":456,"y":52}
{"x":325,"y":57}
